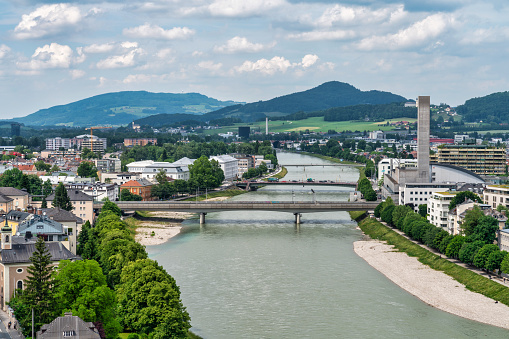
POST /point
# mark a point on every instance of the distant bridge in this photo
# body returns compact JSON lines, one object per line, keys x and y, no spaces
{"x":203,"y":207}
{"x":322,"y":165}
{"x":252,"y":185}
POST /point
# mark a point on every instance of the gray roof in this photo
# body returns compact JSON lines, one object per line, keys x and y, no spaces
{"x":68,"y":323}
{"x":17,"y":215}
{"x":11,"y":191}
{"x":22,"y":252}
{"x":40,"y":225}
{"x":74,"y":195}
{"x":4,"y":199}
{"x":61,"y":215}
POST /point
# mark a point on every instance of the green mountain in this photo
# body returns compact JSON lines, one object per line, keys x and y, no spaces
{"x":490,"y":108}
{"x":326,"y":96}
{"x":122,"y":108}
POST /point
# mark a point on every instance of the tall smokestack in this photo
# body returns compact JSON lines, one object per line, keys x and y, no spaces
{"x":266,"y":125}
{"x":423,"y":117}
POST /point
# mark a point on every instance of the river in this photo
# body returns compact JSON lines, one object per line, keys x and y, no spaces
{"x":258,"y":275}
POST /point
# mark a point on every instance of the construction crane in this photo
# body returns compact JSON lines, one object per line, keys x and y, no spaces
{"x":91,"y":135}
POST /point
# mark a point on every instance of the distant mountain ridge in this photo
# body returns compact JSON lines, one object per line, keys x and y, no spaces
{"x":490,"y":108}
{"x":121,"y":108}
{"x":326,"y":96}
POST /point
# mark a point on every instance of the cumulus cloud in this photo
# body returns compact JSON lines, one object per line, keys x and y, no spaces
{"x":4,"y":50}
{"x":156,"y":32}
{"x":129,"y":44}
{"x":210,"y":65}
{"x":49,"y":56}
{"x":418,"y":33}
{"x":76,"y":73}
{"x":135,"y":78}
{"x":99,"y":48}
{"x":486,"y":35}
{"x":235,"y":8}
{"x":276,"y":64}
{"x":354,"y":14}
{"x":240,"y":44}
{"x":323,"y":35}
{"x":47,"y":20}
{"x":120,"y":61}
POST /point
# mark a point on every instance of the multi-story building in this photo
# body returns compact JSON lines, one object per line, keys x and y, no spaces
{"x":228,"y":164}
{"x":438,"y":208}
{"x":141,"y":187}
{"x":495,"y":195}
{"x":245,"y":162}
{"x":54,"y":144}
{"x":20,"y":199}
{"x":419,"y":193}
{"x":109,"y":165}
{"x":128,"y":142}
{"x":83,"y":204}
{"x":149,"y":169}
{"x":97,"y":190}
{"x":480,"y":159}
{"x":94,"y":143}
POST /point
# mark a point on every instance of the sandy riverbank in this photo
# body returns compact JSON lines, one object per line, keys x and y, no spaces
{"x":163,"y":231}
{"x":433,"y":287}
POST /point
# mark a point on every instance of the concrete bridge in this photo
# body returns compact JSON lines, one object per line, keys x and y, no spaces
{"x":322,"y":165}
{"x":217,"y":206}
{"x":254,"y":184}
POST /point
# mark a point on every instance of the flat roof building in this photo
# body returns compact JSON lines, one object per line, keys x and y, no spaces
{"x":480,"y":159}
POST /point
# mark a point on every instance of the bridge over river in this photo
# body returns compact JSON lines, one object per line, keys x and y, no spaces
{"x":203,"y":207}
{"x":252,"y":185}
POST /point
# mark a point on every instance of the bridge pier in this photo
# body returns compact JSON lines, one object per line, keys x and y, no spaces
{"x":202,"y":218}
{"x":297,"y":217}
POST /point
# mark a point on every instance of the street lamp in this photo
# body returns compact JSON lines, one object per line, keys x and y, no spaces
{"x":314,"y":196}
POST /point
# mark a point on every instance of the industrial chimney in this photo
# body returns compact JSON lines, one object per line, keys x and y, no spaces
{"x":423,"y":117}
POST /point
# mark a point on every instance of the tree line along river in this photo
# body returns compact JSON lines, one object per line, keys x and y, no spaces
{"x":255,"y":274}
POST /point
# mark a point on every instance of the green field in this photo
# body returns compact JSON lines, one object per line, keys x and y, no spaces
{"x":315,"y":124}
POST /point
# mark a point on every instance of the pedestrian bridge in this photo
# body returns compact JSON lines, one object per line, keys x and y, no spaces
{"x":204,"y":207}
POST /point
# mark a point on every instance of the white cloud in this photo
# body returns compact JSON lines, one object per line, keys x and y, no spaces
{"x":235,"y":8}
{"x":309,"y":60}
{"x":418,"y":33}
{"x":348,"y":15}
{"x":129,"y":44}
{"x":210,"y":65}
{"x":4,"y":50}
{"x":101,"y":48}
{"x":239,"y":44}
{"x":47,"y":20}
{"x":76,"y":73}
{"x":323,"y":35}
{"x":49,"y":56}
{"x":165,"y":53}
{"x":120,"y":61}
{"x":486,"y":35}
{"x":136,"y":78}
{"x":197,"y":53}
{"x":156,"y":32}
{"x":276,"y":64}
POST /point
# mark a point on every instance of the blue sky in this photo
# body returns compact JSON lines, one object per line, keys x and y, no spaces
{"x":54,"y":53}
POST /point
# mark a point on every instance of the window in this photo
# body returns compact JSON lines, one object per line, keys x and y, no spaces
{"x":19,"y":285}
{"x":19,"y":270}
{"x":69,"y":333}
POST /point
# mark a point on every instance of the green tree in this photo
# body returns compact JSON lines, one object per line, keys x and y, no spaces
{"x":482,"y":255}
{"x":86,"y":153}
{"x":149,"y":301}
{"x":39,"y":288}
{"x":485,"y":229}
{"x":47,"y":189}
{"x":87,"y":169}
{"x":42,"y":166}
{"x":126,"y":195}
{"x":469,"y":250}
{"x":423,"y":210}
{"x":44,"y":203}
{"x":83,"y":237}
{"x":387,"y":214}
{"x":111,"y":206}
{"x":471,"y":220}
{"x":61,"y":199}
{"x":445,"y":242}
{"x":504,"y":266}
{"x":462,"y":196}
{"x":82,"y":290}
{"x":454,"y":247}
{"x":205,"y":173}
{"x":495,"y":260}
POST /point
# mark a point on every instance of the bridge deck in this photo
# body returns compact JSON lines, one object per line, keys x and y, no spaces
{"x":305,"y":183}
{"x":277,"y":206}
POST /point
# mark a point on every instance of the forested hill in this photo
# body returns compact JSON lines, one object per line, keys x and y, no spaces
{"x":121,"y":108}
{"x":328,"y":95}
{"x":490,"y":108}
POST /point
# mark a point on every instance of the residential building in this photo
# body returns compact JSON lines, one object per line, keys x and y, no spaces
{"x":480,"y":159}
{"x":14,"y":218}
{"x":141,"y":187}
{"x":419,"y":193}
{"x":83,"y":204}
{"x":55,"y":144}
{"x":245,"y":162}
{"x":495,"y":195}
{"x":185,"y":161}
{"x":438,"y":208}
{"x":98,"y":145}
{"x":15,"y":258}
{"x":129,"y":142}
{"x":97,"y":190}
{"x":109,"y":165}
{"x":20,"y":198}
{"x":5,"y":204}
{"x":68,"y":326}
{"x":149,"y":169}
{"x":228,"y":164}
{"x":118,"y":178}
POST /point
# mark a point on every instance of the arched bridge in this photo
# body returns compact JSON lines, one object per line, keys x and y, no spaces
{"x":203,"y":207}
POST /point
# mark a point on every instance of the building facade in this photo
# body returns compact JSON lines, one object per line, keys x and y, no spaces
{"x":129,"y":142}
{"x":438,"y":208}
{"x":480,"y":159}
{"x":228,"y":164}
{"x":495,"y":195}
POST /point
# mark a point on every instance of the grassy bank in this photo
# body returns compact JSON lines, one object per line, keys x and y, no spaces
{"x":473,"y":281}
{"x":190,"y":335}
{"x":215,"y":194}
{"x":281,"y":174}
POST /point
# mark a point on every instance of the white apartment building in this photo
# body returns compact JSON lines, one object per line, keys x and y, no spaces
{"x":419,"y":193}
{"x":388,"y":164}
{"x":54,"y":144}
{"x":98,"y":191}
{"x":118,"y":178}
{"x":149,"y":169}
{"x":495,"y":195}
{"x":228,"y":164}
{"x":438,"y":208}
